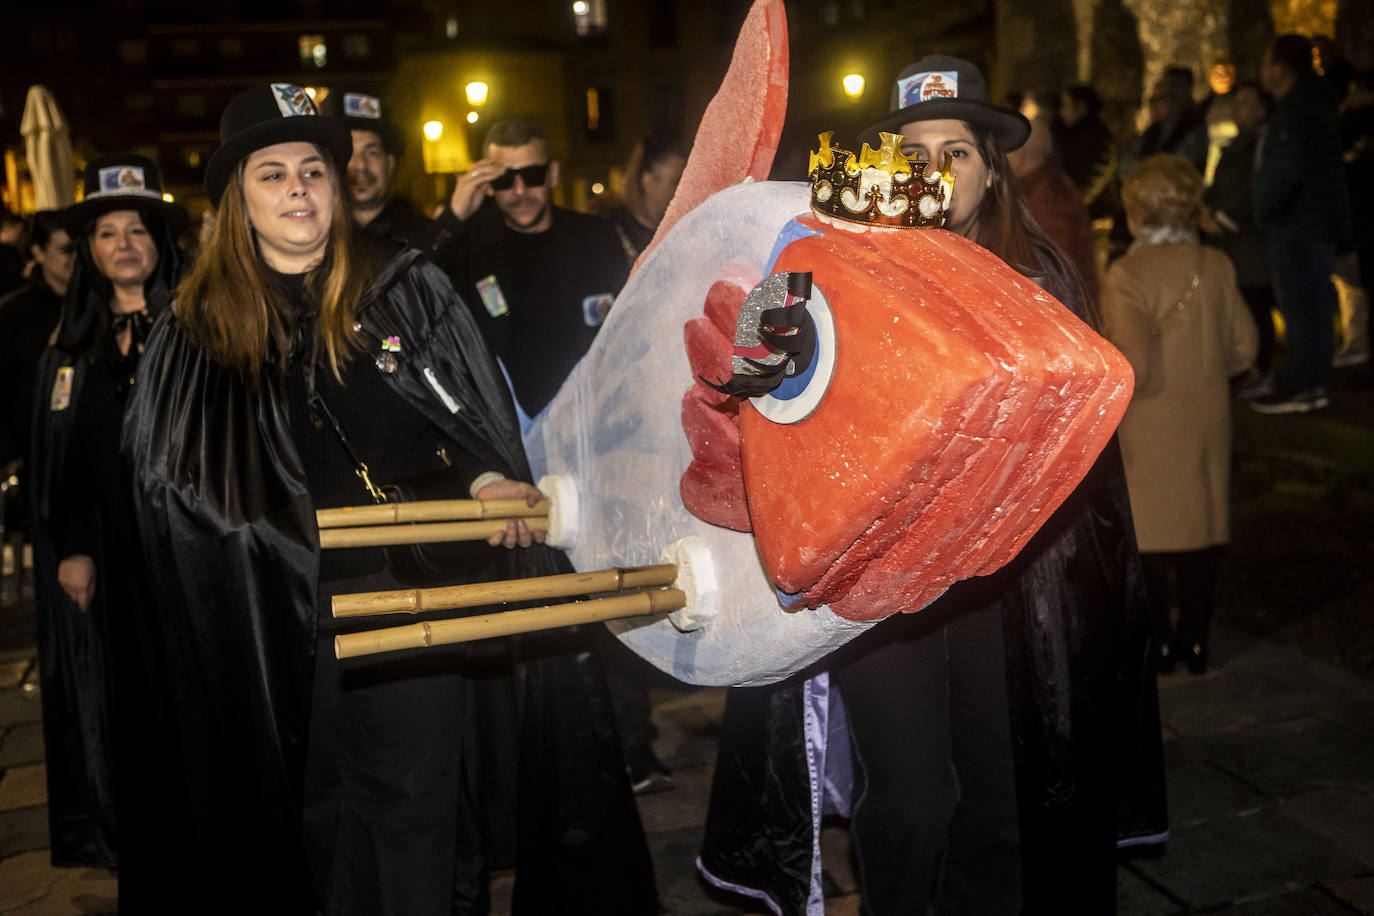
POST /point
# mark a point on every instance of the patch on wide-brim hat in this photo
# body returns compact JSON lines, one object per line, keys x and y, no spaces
{"x":362,"y":111}
{"x":266,"y":115}
{"x":938,"y":87}
{"x":121,"y":181}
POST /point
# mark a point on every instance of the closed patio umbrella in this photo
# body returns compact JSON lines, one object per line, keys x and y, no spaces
{"x":48,"y":146}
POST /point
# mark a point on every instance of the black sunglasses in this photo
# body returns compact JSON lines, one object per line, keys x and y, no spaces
{"x":533,"y":176}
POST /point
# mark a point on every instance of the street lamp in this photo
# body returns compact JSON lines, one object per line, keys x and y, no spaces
{"x":472,"y":117}
{"x":476,"y":92}
{"x":433,"y":130}
{"x":853,"y":85}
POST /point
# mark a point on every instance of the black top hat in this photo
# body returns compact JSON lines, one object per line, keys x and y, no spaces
{"x":121,"y":181}
{"x":937,"y":87}
{"x":267,"y":114}
{"x":361,"y":111}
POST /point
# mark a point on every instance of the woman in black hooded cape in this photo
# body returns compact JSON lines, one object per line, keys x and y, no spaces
{"x":225,"y":505}
{"x":81,"y":513}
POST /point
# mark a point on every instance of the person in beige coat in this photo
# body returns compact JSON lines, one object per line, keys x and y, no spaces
{"x":1173,"y":308}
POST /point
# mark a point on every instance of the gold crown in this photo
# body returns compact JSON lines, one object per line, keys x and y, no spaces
{"x":879,"y":187}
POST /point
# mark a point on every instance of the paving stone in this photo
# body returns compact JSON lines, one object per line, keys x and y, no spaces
{"x":688,"y":726}
{"x":23,"y":830}
{"x":23,"y":745}
{"x":24,"y":787}
{"x":1358,"y":893}
{"x":1137,"y":897}
{"x":1266,"y":684}
{"x":1198,"y":791}
{"x":19,"y":706}
{"x":1344,"y":816}
{"x":32,"y":887}
{"x":1289,"y":759}
{"x":12,"y":672}
{"x":1358,"y":717}
{"x":681,"y":807}
{"x":1246,"y":857}
{"x":1309,"y":901}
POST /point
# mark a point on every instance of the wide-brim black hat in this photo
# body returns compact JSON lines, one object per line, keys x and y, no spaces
{"x":937,"y":87}
{"x":269,"y":114}
{"x":363,"y":111}
{"x":121,"y":181}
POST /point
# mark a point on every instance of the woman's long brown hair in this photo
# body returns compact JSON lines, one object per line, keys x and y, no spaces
{"x":229,"y":305}
{"x":1004,"y":225}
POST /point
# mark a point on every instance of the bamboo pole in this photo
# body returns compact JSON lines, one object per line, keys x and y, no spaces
{"x":429,"y":510}
{"x":448,"y":597}
{"x":506,"y":623}
{"x":388,"y":535}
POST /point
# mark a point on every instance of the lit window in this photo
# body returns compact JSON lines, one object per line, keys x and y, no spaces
{"x":313,"y":52}
{"x":593,"y":110}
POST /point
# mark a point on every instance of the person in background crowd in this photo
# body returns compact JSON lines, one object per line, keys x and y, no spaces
{"x":1229,"y":222}
{"x":1301,"y":202}
{"x":993,"y":767}
{"x":27,"y":318}
{"x":301,"y":364}
{"x":12,"y":259}
{"x":377,"y":144}
{"x":87,"y":567}
{"x":1357,"y":138}
{"x":651,"y":177}
{"x":1055,"y":203}
{"x":541,"y":283}
{"x":1176,"y":124}
{"x":1173,"y":309}
{"x":1085,"y":147}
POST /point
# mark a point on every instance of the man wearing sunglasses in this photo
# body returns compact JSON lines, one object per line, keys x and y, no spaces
{"x":538,"y":278}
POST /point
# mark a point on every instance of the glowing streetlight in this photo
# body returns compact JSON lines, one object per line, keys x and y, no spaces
{"x":169,"y":198}
{"x":476,"y":92}
{"x":580,"y":8}
{"x":433,"y":130}
{"x":472,"y":117}
{"x":853,"y":85}
{"x":598,"y":188}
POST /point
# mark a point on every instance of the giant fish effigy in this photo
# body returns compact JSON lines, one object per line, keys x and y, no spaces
{"x":946,"y":405}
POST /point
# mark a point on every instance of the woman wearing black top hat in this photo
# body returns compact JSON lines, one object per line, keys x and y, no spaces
{"x":294,"y":782}
{"x":1004,"y":736}
{"x":86,"y":567}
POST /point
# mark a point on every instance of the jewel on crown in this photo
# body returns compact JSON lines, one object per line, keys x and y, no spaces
{"x":879,"y":187}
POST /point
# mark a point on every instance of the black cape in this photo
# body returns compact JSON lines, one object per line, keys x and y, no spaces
{"x":1084,"y":721}
{"x":230,"y":539}
{"x":79,"y":507}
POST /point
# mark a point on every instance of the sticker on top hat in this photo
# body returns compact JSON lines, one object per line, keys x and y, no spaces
{"x":357,"y":105}
{"x":292,"y":100}
{"x":120,"y":178}
{"x":922,"y":87}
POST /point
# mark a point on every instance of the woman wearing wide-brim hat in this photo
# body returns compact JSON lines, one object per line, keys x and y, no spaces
{"x":295,"y":357}
{"x":86,"y":570}
{"x":987,"y":726}
{"x":1005,"y":733}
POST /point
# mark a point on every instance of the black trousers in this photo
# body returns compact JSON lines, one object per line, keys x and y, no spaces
{"x":1187,"y":580}
{"x":393,"y":821}
{"x":935,"y":817}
